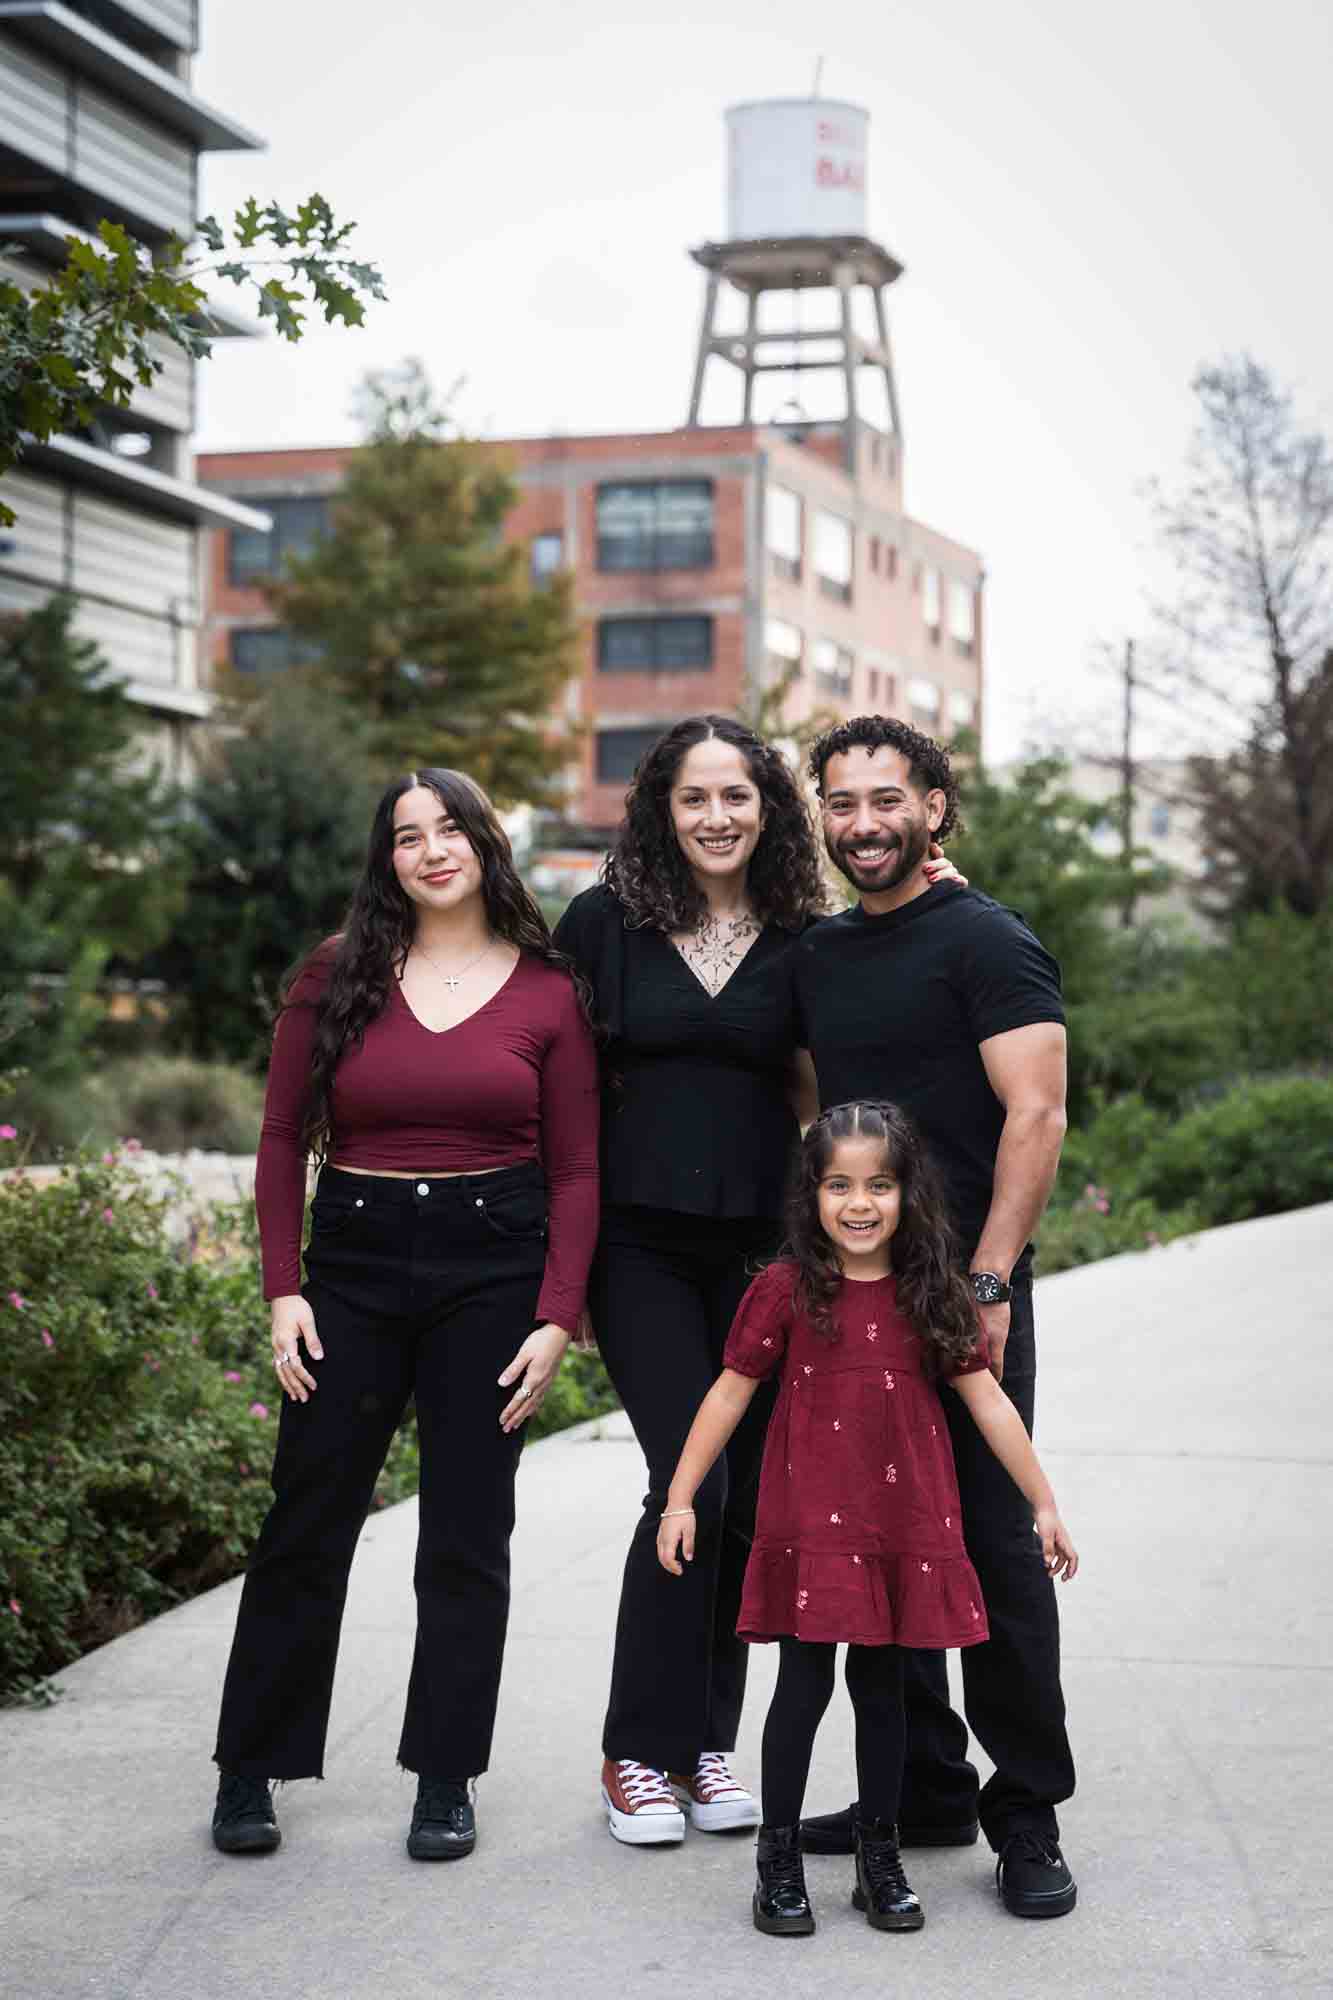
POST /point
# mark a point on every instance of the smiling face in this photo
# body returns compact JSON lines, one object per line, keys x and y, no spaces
{"x":716,"y":810}
{"x":859,"y":1205}
{"x":878,"y":823}
{"x":435,"y":862}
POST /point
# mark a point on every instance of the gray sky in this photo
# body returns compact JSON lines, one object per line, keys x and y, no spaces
{"x":1090,"y":202}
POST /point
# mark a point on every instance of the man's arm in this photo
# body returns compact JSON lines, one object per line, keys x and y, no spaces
{"x":1026,"y":1070}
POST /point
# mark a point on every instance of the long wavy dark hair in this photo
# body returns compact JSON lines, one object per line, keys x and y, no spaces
{"x":372,"y":947}
{"x":652,"y":878}
{"x":932,"y":1291}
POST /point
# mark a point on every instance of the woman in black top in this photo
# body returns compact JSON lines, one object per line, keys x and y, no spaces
{"x":686,"y":944}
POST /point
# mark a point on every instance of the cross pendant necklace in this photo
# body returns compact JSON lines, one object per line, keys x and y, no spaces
{"x":453,"y":980}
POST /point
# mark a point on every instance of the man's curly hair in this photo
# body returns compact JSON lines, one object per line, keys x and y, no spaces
{"x":650,"y":875}
{"x":931,"y":769}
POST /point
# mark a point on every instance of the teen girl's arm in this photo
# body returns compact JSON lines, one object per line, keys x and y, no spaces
{"x":710,"y":1433}
{"x":280,"y":1179}
{"x":1002,"y":1427}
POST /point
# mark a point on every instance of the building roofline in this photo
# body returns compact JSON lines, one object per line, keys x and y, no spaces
{"x":132,"y":77}
{"x":140,"y":26}
{"x":157,"y":492}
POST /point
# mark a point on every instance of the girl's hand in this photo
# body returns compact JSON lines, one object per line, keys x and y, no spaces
{"x":292,"y":1321}
{"x":675,"y":1538}
{"x":1057,"y":1550}
{"x":538,"y":1362}
{"x":939,"y":868}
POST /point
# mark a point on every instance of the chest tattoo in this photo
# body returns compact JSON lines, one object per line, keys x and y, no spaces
{"x":715,"y":949}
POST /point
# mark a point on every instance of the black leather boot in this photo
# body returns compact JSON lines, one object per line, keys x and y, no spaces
{"x":781,"y":1905}
{"x":882,"y":1890}
{"x":444,"y":1821}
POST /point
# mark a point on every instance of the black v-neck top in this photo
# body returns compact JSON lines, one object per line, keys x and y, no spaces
{"x":695,"y":1114}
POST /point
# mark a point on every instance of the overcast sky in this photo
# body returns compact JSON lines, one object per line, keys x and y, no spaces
{"x":1090,"y":201}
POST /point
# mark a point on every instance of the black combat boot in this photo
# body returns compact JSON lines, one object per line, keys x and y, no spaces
{"x":882,"y":1890}
{"x":781,"y":1905}
{"x":244,"y":1821}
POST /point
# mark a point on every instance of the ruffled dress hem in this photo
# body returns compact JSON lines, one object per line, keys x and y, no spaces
{"x":837,"y":1597}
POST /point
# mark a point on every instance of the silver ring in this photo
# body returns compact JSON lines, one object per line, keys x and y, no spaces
{"x":525,"y":1391}
{"x":285,"y":1361}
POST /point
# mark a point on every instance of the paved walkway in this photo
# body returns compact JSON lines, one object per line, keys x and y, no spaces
{"x":1184,"y":1422}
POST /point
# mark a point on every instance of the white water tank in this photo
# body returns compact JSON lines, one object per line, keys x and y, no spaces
{"x":796,"y":166}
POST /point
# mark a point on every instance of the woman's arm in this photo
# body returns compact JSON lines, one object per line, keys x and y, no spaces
{"x":710,"y":1433}
{"x":803,"y":1089}
{"x":1002,"y":1427}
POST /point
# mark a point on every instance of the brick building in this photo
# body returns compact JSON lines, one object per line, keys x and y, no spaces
{"x":708,"y":563}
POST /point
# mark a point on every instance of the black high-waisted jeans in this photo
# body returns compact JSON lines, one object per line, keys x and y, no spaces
{"x":419,"y":1288}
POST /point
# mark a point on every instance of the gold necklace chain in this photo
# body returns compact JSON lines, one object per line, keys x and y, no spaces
{"x":453,"y":979}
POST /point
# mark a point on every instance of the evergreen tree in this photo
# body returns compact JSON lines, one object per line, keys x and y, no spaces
{"x":428,"y":623}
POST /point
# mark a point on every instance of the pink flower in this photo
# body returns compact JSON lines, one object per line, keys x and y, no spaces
{"x":17,"y":1300}
{"x":151,"y":1363}
{"x":152,"y":1290}
{"x":1153,"y":1240}
{"x":1102,"y":1205}
{"x":108,"y":1159}
{"x":232,"y":1375}
{"x":243,"y":1469}
{"x":132,"y":1145}
{"x":15,"y":1607}
{"x":47,"y":1340}
{"x":836,"y":1519}
{"x":259,"y":1410}
{"x":802,"y":1599}
{"x":1090,"y":1191}
{"x":925,"y":1569}
{"x":108,"y":1215}
{"x":891,"y":1475}
{"x":9,"y":1131}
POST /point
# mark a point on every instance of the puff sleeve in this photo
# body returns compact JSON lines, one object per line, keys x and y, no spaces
{"x":761,"y":1329}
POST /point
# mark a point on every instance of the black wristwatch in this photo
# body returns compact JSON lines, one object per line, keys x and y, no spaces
{"x":989,"y":1289}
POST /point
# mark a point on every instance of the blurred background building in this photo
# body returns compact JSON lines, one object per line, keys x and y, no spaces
{"x":98,"y":121}
{"x":759,"y":561}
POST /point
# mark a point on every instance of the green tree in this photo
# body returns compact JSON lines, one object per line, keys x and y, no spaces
{"x":86,"y":336}
{"x":275,"y":837}
{"x":428,"y":623}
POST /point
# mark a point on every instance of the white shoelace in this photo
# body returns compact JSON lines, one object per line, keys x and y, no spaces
{"x":643,"y":1786}
{"x":713,"y":1776}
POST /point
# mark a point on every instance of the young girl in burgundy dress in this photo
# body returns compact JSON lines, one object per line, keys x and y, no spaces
{"x":858,"y":1538}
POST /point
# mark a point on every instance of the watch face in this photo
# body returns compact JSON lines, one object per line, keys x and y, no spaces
{"x":988,"y":1289}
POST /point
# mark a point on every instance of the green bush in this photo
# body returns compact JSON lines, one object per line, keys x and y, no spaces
{"x":1263,"y":1148}
{"x":138,"y":1412}
{"x":1097,"y":1225}
{"x":168,"y":1103}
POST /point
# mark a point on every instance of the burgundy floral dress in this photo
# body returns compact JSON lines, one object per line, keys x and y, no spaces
{"x":859,"y":1535}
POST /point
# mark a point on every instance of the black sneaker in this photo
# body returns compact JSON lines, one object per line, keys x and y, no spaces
{"x":831,"y":1833}
{"x":444,"y":1823}
{"x":243,"y":1818}
{"x":1032,"y":1876}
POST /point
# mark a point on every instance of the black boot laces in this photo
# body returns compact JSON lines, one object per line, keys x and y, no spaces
{"x":438,"y":1799}
{"x":1027,"y":1845}
{"x":884,"y":1867}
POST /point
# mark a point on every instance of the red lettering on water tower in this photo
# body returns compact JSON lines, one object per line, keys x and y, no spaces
{"x":839,"y":174}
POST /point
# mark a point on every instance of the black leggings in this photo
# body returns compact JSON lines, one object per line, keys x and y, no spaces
{"x":805,"y":1686}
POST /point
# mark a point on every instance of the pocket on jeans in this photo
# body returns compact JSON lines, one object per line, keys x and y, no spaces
{"x":331,"y":1218}
{"x":515,"y":1212}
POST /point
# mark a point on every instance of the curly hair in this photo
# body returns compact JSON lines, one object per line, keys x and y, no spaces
{"x":647,"y":870}
{"x":926,"y":1261}
{"x":372,"y":947}
{"x":929,"y":760}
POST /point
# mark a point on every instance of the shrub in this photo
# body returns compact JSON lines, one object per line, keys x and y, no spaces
{"x":1096,"y":1226}
{"x":170,"y":1103}
{"x":138,"y":1411}
{"x":1263,"y":1148}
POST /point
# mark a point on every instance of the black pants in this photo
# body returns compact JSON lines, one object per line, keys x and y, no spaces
{"x":663,"y":1293}
{"x":804,"y":1685}
{"x":419,"y":1288}
{"x":1011,"y":1684}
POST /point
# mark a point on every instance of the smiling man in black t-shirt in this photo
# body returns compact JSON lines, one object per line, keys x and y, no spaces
{"x":944,"y":1002}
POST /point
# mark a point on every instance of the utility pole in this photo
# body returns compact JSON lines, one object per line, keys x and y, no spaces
{"x":1127,"y":788}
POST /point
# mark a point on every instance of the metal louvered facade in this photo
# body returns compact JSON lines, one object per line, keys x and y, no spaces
{"x":98,"y":122}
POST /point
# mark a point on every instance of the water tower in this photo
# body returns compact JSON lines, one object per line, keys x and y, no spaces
{"x":796,"y":222}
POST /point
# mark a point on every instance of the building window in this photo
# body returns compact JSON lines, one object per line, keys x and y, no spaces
{"x":548,"y":555}
{"x":890,"y":561}
{"x":923,"y":701}
{"x":619,"y":751}
{"x":782,"y":530}
{"x":930,"y":601}
{"x":784,"y":650}
{"x":662,"y":524}
{"x":268,"y":649}
{"x":298,"y":523}
{"x":872,"y":689}
{"x":832,"y":669}
{"x":962,"y":709}
{"x":962,"y":619}
{"x":654,"y":645}
{"x":1159,"y":822}
{"x":874,"y":554}
{"x":833,"y":555}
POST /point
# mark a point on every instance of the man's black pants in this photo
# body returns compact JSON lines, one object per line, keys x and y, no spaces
{"x":419,"y":1288}
{"x":1011,"y":1684}
{"x":663,"y":1293}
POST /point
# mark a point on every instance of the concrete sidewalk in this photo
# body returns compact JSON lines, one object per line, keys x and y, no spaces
{"x":1182,"y":1419}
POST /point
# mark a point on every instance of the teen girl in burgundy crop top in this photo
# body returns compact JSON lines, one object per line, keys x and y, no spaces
{"x":437,"y":1058}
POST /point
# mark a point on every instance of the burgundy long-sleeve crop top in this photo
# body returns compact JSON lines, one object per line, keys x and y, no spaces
{"x":515,"y":1081}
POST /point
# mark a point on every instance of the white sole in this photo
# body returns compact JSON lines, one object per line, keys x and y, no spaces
{"x":725,"y":1817}
{"x":644,"y":1829}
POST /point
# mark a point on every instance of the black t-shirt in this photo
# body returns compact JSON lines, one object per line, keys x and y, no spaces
{"x":695,"y":1115}
{"x":895,"y":1007}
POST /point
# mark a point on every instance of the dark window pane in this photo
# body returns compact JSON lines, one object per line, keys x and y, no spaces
{"x":654,"y":645}
{"x":654,"y":525}
{"x":266,"y":649}
{"x":619,"y":751}
{"x":298,"y":523}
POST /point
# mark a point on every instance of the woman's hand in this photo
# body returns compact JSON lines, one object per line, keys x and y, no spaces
{"x":585,"y":1334}
{"x":1057,"y":1550}
{"x":538,"y":1362}
{"x":939,"y":868}
{"x":675,"y":1538}
{"x":291,"y":1322}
